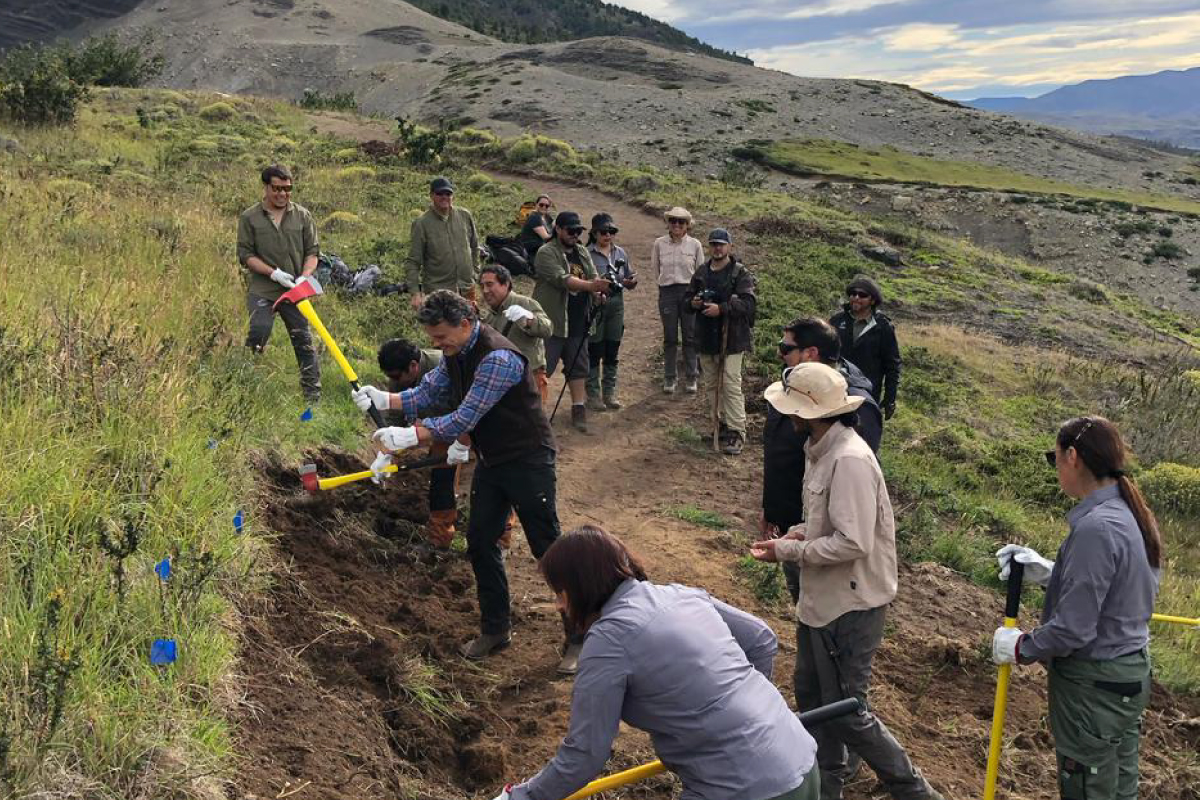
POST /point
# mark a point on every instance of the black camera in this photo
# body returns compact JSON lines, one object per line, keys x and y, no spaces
{"x":708,"y":296}
{"x":614,"y":277}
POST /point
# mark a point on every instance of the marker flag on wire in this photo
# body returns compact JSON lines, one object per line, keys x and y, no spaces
{"x":238,"y":521}
{"x":306,"y":415}
{"x":163,"y":569}
{"x":162,"y":651}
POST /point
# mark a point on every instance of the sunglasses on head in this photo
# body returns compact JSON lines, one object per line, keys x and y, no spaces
{"x":287,"y":188}
{"x":858,"y":293}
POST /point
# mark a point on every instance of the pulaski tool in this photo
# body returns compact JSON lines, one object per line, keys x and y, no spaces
{"x":299,"y":297}
{"x":308,"y":473}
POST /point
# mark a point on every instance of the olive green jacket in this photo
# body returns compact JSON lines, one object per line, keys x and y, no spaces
{"x":283,"y":248}
{"x":443,"y":252}
{"x":527,"y":335}
{"x":551,"y":270}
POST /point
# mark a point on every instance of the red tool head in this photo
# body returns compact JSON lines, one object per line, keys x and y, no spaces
{"x":304,"y":289}
{"x":308,"y":476}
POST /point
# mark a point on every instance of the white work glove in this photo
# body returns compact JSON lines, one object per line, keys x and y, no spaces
{"x":367,"y":396}
{"x":283,"y":279}
{"x":516,"y":314}
{"x":1037,"y":569}
{"x":458,"y":453}
{"x":1004,"y":645}
{"x":503,"y":793}
{"x":393,"y":439}
{"x":382,"y":460}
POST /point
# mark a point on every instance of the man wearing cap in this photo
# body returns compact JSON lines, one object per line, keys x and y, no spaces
{"x":869,"y":340}
{"x":846,"y":551}
{"x":566,"y":286}
{"x":443,"y":248}
{"x":673,"y":260}
{"x":721,"y":297}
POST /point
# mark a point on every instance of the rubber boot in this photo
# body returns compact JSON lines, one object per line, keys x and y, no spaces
{"x":439,"y":530}
{"x":609,"y":385}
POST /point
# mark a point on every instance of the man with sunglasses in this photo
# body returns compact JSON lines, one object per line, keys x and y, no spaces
{"x":567,"y":284}
{"x":869,"y":340}
{"x":277,"y":244}
{"x":444,"y":249}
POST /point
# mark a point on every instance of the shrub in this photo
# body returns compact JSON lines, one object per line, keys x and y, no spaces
{"x":107,"y":61}
{"x":358,"y":173}
{"x":477,"y":181}
{"x":1168,"y":250}
{"x":346,"y":154}
{"x":341,"y":220}
{"x":218,"y":112}
{"x":531,"y":147}
{"x":316,"y":101}
{"x":421,"y":145}
{"x":36,"y":87}
{"x":67,"y":187}
{"x":1172,"y":487}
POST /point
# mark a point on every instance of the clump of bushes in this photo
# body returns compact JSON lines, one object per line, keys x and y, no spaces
{"x":218,"y":112}
{"x":357,"y":173}
{"x":341,"y":220}
{"x":421,"y":145}
{"x":533,"y":147}
{"x":1172,"y":487}
{"x":317,"y":101}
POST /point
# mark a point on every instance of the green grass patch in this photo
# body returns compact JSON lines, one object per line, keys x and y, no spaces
{"x":765,"y":581}
{"x":695,"y":515}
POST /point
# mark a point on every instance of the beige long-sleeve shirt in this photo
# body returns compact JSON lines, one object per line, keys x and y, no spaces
{"x":848,"y":554}
{"x":675,"y":262}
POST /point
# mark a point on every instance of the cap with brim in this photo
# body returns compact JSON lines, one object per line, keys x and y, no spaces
{"x":603,"y":222}
{"x":441,"y":185}
{"x":811,"y":391}
{"x":568,"y":220}
{"x":720,"y":236}
{"x":678,"y":212}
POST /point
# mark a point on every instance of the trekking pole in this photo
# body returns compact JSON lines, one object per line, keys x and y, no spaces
{"x":850,"y":705}
{"x":1012,"y":607}
{"x":569,"y":365}
{"x":720,"y":383}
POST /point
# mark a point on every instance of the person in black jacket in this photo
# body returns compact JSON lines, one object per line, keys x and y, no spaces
{"x":869,"y":340}
{"x":805,"y":340}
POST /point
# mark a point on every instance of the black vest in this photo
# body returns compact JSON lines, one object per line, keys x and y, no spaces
{"x":516,"y":426}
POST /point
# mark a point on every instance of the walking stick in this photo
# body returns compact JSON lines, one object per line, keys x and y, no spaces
{"x":850,"y":705}
{"x":720,"y":382}
{"x":1012,"y":607}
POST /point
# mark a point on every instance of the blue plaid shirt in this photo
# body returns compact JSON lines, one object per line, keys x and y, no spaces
{"x":498,"y":372}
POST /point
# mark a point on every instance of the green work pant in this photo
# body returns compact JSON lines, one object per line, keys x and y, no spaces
{"x":604,"y":346}
{"x":1095,"y":716}
{"x":810,"y":789}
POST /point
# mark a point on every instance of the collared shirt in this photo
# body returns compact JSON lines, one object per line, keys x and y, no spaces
{"x":284,"y":247}
{"x":527,"y":338}
{"x":675,"y":262}
{"x":497,"y":372}
{"x":861,"y":326}
{"x":1102,"y":589}
{"x":695,"y":674}
{"x":848,"y":554}
{"x":443,"y":251}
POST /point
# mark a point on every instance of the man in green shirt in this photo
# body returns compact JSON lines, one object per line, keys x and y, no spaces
{"x":519,"y":319}
{"x":444,"y":247}
{"x":277,"y":244}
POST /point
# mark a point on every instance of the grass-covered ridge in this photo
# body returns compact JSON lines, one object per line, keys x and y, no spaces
{"x":131,"y":417}
{"x":843,"y":159}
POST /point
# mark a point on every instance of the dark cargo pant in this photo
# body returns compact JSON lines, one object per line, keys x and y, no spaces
{"x":832,"y":663}
{"x":675,"y":319}
{"x":604,"y":347}
{"x":1095,"y":716}
{"x":262,"y":321}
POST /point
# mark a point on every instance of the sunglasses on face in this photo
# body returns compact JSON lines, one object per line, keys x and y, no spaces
{"x":857,"y":293}
{"x":543,"y":205}
{"x":677,"y":222}
{"x":575,"y":231}
{"x":444,"y":194}
{"x":785,"y":348}
{"x":1052,"y":455}
{"x":282,"y":189}
{"x":609,"y":232}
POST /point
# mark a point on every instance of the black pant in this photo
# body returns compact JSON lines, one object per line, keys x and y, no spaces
{"x":441,"y":488}
{"x":529,"y":487}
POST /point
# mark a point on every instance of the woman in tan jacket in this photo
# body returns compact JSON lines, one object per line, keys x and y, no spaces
{"x":673,"y":260}
{"x":846,"y":551}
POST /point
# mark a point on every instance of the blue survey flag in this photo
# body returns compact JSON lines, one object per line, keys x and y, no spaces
{"x":163,"y":569}
{"x":306,"y":415}
{"x":162,"y":651}
{"x":238,"y":521}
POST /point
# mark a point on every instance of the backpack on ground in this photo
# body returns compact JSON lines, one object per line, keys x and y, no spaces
{"x":509,"y":253}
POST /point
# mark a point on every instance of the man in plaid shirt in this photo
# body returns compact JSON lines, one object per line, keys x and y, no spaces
{"x":496,"y":403}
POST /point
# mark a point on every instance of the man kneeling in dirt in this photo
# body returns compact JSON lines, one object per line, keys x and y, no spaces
{"x":495,"y":399}
{"x":846,"y":551}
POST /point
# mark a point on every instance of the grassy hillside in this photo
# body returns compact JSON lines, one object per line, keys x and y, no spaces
{"x":534,"y":21}
{"x":827,"y":157}
{"x":132,"y":419}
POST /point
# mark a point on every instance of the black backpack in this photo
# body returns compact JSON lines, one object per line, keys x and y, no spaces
{"x":509,"y":254}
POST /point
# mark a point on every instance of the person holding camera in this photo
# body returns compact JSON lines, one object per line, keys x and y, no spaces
{"x":722,"y":297}
{"x":612,"y":263}
{"x":869,"y":340}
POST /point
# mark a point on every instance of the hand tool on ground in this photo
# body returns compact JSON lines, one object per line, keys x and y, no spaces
{"x":720,"y":383}
{"x":308,"y":473}
{"x":1012,"y":607}
{"x":1167,"y":618}
{"x":850,"y":705}
{"x":299,"y":298}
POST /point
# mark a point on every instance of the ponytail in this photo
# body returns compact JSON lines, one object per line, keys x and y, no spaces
{"x":1100,"y":446}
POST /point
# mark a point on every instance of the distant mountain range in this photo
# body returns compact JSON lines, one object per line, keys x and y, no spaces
{"x":1163,"y":107}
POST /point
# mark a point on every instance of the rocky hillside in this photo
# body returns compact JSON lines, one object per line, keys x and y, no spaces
{"x":634,"y":101}
{"x":24,"y":20}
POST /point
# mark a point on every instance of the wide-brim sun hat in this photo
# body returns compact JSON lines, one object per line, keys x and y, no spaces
{"x":678,"y":212}
{"x":811,"y":391}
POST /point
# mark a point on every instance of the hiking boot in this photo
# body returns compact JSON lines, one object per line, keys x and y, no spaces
{"x":569,"y":664}
{"x":439,"y":530}
{"x":734,"y":444}
{"x":485,"y":644}
{"x":594,"y":403}
{"x":612,"y":403}
{"x":669,"y":386}
{"x":690,"y":386}
{"x":579,"y":418}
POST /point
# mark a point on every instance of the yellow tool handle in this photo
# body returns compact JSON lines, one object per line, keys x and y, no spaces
{"x":999,"y":709}
{"x":1175,"y":620}
{"x":310,"y":314}
{"x":619,"y":779}
{"x":342,"y":480}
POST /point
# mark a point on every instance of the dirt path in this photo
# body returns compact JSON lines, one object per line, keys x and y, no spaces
{"x":353,"y":689}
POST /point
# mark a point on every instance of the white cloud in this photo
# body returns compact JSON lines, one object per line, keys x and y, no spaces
{"x":921,"y":38}
{"x":839,"y":8}
{"x":662,"y":10}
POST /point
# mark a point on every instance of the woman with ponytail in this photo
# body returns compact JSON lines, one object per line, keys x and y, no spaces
{"x":1095,"y":629}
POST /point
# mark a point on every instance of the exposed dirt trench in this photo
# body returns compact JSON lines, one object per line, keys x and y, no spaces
{"x":353,"y":688}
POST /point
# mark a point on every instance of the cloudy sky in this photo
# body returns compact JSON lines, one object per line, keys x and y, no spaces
{"x":958,"y":48}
